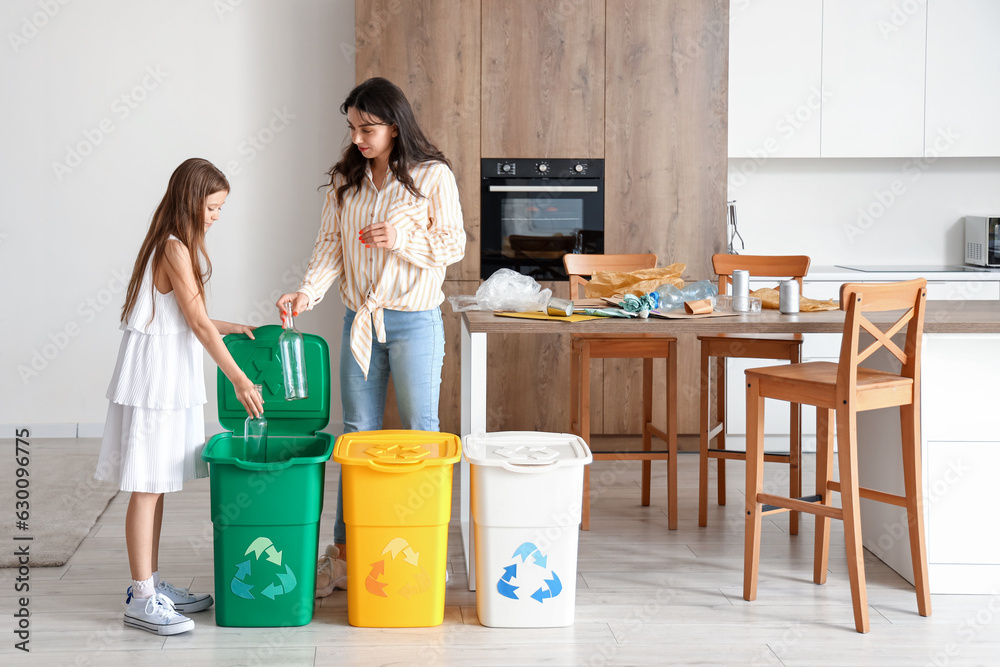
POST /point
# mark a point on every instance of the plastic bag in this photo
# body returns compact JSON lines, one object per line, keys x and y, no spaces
{"x":671,"y":297}
{"x":506,"y":290}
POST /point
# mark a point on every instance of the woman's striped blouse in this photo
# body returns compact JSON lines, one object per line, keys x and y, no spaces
{"x":429,"y":236}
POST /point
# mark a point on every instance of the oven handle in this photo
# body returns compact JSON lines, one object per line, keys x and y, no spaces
{"x":543,"y":188}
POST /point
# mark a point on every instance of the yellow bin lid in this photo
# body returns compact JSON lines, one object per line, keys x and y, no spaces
{"x":397,"y":451}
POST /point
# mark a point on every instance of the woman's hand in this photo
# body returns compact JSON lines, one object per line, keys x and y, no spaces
{"x":247,"y":394}
{"x":380,"y":234}
{"x":226,"y":328}
{"x":299,"y":301}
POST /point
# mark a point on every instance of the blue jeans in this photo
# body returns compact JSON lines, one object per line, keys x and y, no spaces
{"x":412,"y":353}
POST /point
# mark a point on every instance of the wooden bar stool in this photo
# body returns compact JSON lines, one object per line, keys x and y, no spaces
{"x":753,"y":346}
{"x":625,"y":346}
{"x":843,"y":389}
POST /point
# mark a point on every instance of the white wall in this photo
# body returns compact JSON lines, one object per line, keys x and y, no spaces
{"x":863,"y":210}
{"x":102,"y":100}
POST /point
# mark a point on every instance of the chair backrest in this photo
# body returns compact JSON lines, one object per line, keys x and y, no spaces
{"x":761,"y":266}
{"x":578,"y":266}
{"x":860,"y":298}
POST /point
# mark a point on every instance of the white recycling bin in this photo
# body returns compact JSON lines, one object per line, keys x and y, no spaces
{"x":526,"y":503}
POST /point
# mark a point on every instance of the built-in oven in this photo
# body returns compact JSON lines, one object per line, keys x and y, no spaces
{"x":534,"y":211}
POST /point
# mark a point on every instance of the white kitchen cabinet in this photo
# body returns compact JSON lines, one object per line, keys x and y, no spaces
{"x":960,"y":452}
{"x":826,"y":347}
{"x":873,"y":79}
{"x":863,"y":78}
{"x":774,"y":78}
{"x":963,"y":78}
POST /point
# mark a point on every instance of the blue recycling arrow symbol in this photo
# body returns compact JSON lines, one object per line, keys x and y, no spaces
{"x":530,"y":555}
{"x":504,"y":587}
{"x":526,"y":550}
{"x":555,"y":587}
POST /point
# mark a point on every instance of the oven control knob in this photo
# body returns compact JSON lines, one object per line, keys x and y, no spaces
{"x":579,"y":168}
{"x":543,"y":167}
{"x":506,"y":168}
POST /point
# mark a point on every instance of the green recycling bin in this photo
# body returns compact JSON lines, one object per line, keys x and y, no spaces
{"x":266,"y":515}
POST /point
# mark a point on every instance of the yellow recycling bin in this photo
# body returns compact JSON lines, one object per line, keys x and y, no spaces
{"x":397,"y":503}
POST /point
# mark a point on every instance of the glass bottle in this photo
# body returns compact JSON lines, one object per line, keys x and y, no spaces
{"x":293,"y":358}
{"x":255,"y":435}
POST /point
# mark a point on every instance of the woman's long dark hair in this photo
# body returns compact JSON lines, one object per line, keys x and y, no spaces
{"x":181,"y":213}
{"x":381,"y":99}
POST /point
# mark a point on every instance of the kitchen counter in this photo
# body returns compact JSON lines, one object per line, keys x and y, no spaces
{"x":892,"y":272}
{"x":959,"y":424}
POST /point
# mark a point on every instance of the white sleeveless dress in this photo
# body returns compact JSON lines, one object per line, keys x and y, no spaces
{"x":155,"y":429}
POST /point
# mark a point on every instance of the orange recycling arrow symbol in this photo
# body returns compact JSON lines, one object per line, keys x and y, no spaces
{"x":374,"y":586}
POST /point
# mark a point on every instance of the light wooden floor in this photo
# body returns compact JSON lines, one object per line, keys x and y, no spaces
{"x":645,"y":596}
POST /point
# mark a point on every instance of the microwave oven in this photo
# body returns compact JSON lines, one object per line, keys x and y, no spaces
{"x":982,"y":240}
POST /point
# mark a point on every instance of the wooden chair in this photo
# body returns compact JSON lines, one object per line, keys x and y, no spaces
{"x":625,"y":346}
{"x":844,"y":389}
{"x":754,"y":346}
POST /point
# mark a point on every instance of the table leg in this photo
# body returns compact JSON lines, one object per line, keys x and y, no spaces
{"x":473,"y":421}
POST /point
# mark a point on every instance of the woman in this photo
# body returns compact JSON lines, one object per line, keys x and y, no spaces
{"x":391,"y":225}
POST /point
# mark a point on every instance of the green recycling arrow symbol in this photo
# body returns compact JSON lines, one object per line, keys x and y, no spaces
{"x":286,"y":579}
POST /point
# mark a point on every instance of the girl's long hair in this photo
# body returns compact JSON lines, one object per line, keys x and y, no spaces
{"x":181,"y":213}
{"x":381,"y":99}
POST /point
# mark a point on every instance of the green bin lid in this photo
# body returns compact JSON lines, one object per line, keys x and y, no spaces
{"x":260,"y":359}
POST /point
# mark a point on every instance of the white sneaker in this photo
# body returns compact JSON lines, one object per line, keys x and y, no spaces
{"x":156,"y":614}
{"x":184,"y":601}
{"x":331,"y":572}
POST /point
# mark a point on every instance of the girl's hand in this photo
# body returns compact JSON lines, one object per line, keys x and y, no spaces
{"x":226,"y":328}
{"x":380,"y":234}
{"x":299,"y":301}
{"x":247,"y":394}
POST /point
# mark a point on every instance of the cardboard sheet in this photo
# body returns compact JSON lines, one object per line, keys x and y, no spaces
{"x":679,"y":314}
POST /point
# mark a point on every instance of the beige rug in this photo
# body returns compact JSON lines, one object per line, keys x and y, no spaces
{"x":64,"y":502}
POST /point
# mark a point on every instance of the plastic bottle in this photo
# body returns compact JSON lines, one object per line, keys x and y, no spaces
{"x":255,"y":436}
{"x":293,"y":358}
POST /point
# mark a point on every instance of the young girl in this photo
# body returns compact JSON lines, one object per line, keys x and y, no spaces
{"x":155,"y":427}
{"x":391,"y":225}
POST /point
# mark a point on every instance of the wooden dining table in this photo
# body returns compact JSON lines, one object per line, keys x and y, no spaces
{"x":942,"y":317}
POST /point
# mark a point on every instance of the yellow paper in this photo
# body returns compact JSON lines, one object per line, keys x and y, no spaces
{"x":553,"y":318}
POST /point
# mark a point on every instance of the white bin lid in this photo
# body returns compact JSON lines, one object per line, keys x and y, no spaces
{"x":526,"y":451}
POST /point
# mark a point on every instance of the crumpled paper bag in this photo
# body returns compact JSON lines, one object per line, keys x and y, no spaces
{"x":617,"y":283}
{"x":769,"y":298}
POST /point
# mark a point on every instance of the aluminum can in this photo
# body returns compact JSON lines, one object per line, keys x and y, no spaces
{"x":741,"y":290}
{"x":788,"y":296}
{"x":559,"y":307}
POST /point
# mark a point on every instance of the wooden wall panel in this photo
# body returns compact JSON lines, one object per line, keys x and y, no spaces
{"x":543,"y":78}
{"x":665,"y":156}
{"x":430,"y":49}
{"x":666,"y":131}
